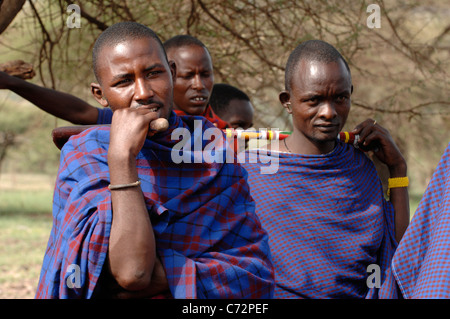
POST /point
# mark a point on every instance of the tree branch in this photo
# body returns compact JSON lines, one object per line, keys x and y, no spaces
{"x":238,"y":36}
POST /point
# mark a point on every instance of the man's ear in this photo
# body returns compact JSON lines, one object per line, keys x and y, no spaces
{"x":173,"y":70}
{"x":285,"y":99}
{"x":98,"y":94}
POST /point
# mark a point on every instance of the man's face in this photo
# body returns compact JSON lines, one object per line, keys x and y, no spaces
{"x":194,"y":80}
{"x":320,"y":99}
{"x":135,"y":74}
{"x":239,"y":114}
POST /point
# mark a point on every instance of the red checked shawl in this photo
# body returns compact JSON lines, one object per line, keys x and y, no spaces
{"x":208,"y":237}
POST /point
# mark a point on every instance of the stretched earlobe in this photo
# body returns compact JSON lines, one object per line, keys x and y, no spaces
{"x":288,"y":107}
{"x":285,"y":100}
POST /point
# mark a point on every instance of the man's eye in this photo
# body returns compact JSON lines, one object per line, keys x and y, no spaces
{"x":341,"y":98}
{"x":312,"y":100}
{"x":154,"y":73}
{"x":122,"y":82}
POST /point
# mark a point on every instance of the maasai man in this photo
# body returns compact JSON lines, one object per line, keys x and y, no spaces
{"x":421,"y":264}
{"x":195,"y":78}
{"x":324,"y":208}
{"x":192,"y":89}
{"x":232,"y":105}
{"x":193,"y":83}
{"x":125,"y":213}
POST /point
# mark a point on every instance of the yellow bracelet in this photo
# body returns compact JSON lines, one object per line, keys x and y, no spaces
{"x":120,"y":186}
{"x":397,"y":182}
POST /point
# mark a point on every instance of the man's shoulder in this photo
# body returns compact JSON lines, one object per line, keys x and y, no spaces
{"x":84,"y":156}
{"x":342,"y":156}
{"x":91,"y":138}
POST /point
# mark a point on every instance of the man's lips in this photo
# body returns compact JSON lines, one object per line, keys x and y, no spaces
{"x":198,"y":100}
{"x":326,"y":124}
{"x":153,"y":107}
{"x":327,"y":127}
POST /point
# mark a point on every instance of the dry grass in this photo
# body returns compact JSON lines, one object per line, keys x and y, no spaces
{"x":29,"y":182}
{"x":25,"y":223}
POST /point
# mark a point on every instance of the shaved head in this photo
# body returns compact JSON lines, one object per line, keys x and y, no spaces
{"x":312,"y":50}
{"x":119,"y":33}
{"x":183,"y":40}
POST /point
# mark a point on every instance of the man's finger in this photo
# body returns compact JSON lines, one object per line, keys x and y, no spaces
{"x":358,"y":128}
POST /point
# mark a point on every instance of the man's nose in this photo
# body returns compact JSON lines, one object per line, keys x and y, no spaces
{"x":328,"y":110}
{"x":143,"y":90}
{"x":197,"y":83}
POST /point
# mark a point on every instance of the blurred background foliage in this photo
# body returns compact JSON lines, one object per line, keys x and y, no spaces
{"x":400,"y":70}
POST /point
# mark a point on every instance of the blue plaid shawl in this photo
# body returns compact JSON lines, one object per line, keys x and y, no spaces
{"x":421,"y":264}
{"x":208,"y":237}
{"x":327,"y":221}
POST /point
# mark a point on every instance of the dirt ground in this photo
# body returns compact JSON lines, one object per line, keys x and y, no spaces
{"x":21,"y":282}
{"x":25,"y":289}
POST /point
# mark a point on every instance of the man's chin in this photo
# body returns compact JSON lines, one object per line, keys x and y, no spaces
{"x":195,"y":110}
{"x":325,"y":138}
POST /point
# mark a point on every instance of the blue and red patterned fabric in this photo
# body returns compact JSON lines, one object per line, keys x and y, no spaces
{"x":327,"y":221}
{"x":421,"y":264}
{"x":105,"y":117}
{"x":208,"y":236}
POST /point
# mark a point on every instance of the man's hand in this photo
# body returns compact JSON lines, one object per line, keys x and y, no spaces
{"x":378,"y":139}
{"x":129,"y":129}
